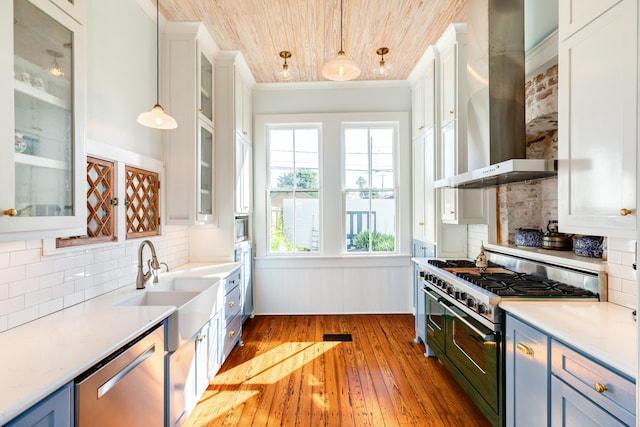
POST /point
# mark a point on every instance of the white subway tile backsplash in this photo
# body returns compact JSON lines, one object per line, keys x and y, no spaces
{"x":30,"y":256}
{"x":13,"y":246}
{"x":23,"y":316}
{"x":64,"y":263}
{"x":5,"y":259}
{"x":622,"y":278}
{"x":37,"y":297}
{"x":33,"y":285}
{"x":614,"y":256}
{"x":39,"y":268}
{"x":22,"y":287}
{"x":12,"y":274}
{"x":53,"y":279}
{"x":50,"y":306}
{"x":620,"y":244}
{"x":622,"y":271}
{"x":73,"y":299}
{"x":11,"y":305}
{"x":629,"y":287}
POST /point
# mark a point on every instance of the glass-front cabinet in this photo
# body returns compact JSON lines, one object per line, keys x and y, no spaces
{"x":44,"y":105}
{"x":205,"y":177}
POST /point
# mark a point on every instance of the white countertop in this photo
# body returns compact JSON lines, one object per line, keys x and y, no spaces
{"x":41,"y":356}
{"x":603,"y":330}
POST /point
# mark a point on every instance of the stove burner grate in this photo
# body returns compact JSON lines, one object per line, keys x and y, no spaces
{"x":521,"y":284}
{"x":456,"y":263}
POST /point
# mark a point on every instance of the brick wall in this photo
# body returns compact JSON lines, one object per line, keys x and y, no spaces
{"x":534,"y":204}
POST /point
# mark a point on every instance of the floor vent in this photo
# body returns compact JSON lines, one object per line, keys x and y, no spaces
{"x":337,"y":337}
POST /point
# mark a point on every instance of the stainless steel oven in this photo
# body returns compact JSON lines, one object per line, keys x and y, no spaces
{"x":464,"y":321}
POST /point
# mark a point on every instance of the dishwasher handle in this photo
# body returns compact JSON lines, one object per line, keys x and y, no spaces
{"x":115,"y":379}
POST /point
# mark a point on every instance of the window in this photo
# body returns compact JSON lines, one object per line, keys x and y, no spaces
{"x":293,"y":188}
{"x":369,"y":187}
{"x":100,"y":212}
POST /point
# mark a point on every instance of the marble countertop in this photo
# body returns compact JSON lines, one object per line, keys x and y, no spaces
{"x":603,"y":330}
{"x":41,"y":356}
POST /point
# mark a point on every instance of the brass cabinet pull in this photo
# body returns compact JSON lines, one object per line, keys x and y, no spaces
{"x":420,"y":127}
{"x":600,"y":388}
{"x":232,"y":303}
{"x":231,"y":334}
{"x":625,"y":211}
{"x":202,"y":337}
{"x":11,"y":212}
{"x":201,"y":110}
{"x":524,"y":348}
{"x":450,"y":111}
{"x":421,"y":223}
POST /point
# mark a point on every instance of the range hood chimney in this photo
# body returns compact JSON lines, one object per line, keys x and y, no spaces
{"x":496,"y":140}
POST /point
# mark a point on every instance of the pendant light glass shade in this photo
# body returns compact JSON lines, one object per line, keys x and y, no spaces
{"x":285,"y":73}
{"x":157,"y":118}
{"x":383,"y":68}
{"x":341,"y":67}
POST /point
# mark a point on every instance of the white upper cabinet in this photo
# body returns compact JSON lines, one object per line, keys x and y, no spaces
{"x":77,"y":9}
{"x":456,"y":206}
{"x":597,"y":117}
{"x":42,"y":159}
{"x":189,"y":149}
{"x":417,"y":103}
{"x":243,"y":108}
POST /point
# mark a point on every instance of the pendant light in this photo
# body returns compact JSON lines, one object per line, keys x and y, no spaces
{"x":54,"y":69}
{"x":157,"y":118}
{"x":285,"y":74}
{"x":383,"y":68}
{"x":341,"y":68}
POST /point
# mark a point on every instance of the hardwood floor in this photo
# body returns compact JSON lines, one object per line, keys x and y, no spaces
{"x":286,"y":375}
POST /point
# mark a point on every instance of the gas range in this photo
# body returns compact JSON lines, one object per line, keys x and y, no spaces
{"x":479,"y":291}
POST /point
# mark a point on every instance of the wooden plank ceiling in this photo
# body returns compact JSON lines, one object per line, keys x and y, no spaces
{"x":310,"y":30}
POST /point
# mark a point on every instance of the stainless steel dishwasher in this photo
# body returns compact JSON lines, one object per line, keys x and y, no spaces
{"x":127,"y":388}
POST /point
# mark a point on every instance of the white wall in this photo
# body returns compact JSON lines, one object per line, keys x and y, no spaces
{"x":121,"y":84}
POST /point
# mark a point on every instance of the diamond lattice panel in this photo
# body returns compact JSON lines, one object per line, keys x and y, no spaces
{"x":142,"y":202}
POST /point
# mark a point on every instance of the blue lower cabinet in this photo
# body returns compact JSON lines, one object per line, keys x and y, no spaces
{"x":55,"y":410}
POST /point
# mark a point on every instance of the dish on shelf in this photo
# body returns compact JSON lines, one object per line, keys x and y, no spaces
{"x":20,"y":144}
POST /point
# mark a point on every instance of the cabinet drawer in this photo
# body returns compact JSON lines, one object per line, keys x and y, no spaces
{"x":232,"y":335}
{"x":586,"y":375}
{"x":232,"y":281}
{"x":232,"y":305}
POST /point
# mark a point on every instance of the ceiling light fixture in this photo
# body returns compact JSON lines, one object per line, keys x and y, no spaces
{"x":285,"y":73}
{"x":54,"y":69}
{"x":341,"y":68}
{"x":383,"y":68}
{"x":157,"y":118}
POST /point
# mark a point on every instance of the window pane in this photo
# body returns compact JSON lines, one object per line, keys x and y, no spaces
{"x":356,"y":158}
{"x":382,"y":158}
{"x":281,"y":158}
{"x":294,"y":221}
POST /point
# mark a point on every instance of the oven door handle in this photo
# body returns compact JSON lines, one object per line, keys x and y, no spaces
{"x":486,"y":337}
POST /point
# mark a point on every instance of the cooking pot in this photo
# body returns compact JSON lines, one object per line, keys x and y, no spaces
{"x":529,"y":237}
{"x":590,"y":246}
{"x":556,"y":241}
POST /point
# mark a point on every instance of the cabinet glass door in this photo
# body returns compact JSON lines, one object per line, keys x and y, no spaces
{"x":205,"y":199}
{"x":206,"y":87}
{"x":43,"y":108}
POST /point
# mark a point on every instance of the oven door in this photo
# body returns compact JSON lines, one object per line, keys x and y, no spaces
{"x":435,"y":314}
{"x":475,"y":351}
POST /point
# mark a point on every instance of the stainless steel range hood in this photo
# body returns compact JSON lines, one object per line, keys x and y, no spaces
{"x":496,"y":141}
{"x":514,"y":170}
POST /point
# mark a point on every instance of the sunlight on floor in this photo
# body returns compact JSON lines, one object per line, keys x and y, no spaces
{"x":232,"y":388}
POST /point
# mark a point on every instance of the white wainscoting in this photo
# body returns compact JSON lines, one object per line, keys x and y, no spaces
{"x":346,"y":285}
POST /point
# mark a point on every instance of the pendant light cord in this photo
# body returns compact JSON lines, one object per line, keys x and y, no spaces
{"x":158,"y":52}
{"x":341,"y":49}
